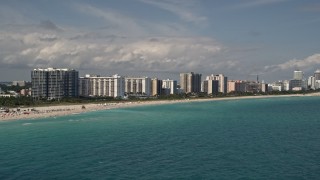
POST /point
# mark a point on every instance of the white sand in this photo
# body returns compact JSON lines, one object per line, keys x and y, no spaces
{"x":52,"y":111}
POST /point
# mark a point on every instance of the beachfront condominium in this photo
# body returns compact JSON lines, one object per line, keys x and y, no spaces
{"x":169,"y":86}
{"x":317,"y":75}
{"x":297,"y":83}
{"x":190,"y":82}
{"x":311,"y":82}
{"x":297,"y":75}
{"x":96,"y":86}
{"x":138,"y":86}
{"x":156,"y":87}
{"x":210,"y":86}
{"x":53,"y":83}
{"x":236,"y":86}
{"x":223,"y":82}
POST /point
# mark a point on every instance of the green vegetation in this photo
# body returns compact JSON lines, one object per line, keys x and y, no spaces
{"x":28,"y":101}
{"x":6,"y":88}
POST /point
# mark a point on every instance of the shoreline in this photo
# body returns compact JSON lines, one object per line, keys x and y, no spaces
{"x":64,"y":110}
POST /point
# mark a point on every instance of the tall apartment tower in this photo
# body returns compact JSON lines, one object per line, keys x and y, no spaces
{"x":52,"y":83}
{"x":211,"y":86}
{"x":170,"y":86}
{"x":223,"y":82}
{"x":190,"y":82}
{"x":156,"y":87}
{"x":317,"y":75}
{"x":93,"y":85}
{"x":297,"y":75}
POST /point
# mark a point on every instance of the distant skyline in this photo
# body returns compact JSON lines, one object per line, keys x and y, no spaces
{"x":161,"y":37}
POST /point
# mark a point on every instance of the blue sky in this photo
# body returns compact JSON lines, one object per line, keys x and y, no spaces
{"x":161,"y":37}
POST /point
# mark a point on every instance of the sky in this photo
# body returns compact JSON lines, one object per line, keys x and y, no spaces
{"x":161,"y":38}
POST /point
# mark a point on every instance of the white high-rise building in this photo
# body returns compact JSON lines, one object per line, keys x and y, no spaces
{"x":317,"y":74}
{"x":112,"y":86}
{"x":223,"y":82}
{"x":138,"y":86}
{"x":211,"y":86}
{"x":297,"y":75}
{"x":170,"y":85}
{"x":311,"y":83}
{"x":286,"y":85}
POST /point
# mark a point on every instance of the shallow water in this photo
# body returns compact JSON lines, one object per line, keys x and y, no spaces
{"x":274,"y":138}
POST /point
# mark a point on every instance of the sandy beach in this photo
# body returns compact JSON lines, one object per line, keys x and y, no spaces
{"x":52,"y":111}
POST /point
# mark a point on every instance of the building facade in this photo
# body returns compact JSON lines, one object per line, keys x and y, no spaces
{"x":236,"y":86}
{"x":138,"y":86}
{"x":297,"y":75}
{"x":169,"y":86}
{"x":190,"y":82}
{"x":156,"y":87}
{"x":223,"y":82}
{"x":52,"y":83}
{"x":211,"y":86}
{"x":93,"y":85}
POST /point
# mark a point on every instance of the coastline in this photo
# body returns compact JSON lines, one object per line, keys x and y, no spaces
{"x":63,"y":110}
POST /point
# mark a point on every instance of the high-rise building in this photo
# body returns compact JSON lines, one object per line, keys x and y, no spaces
{"x":211,"y":86}
{"x":93,"y":85}
{"x":223,"y":82}
{"x":156,"y":87}
{"x":136,"y":86}
{"x":286,"y":85}
{"x":317,"y":75}
{"x":52,"y":83}
{"x":236,"y":86}
{"x":296,"y":85}
{"x":190,"y":82}
{"x":297,"y":75}
{"x":311,"y":83}
{"x":170,"y":86}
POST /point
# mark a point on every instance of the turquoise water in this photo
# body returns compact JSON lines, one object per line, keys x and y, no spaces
{"x":276,"y":138}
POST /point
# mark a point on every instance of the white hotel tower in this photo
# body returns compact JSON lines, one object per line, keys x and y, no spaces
{"x":138,"y":86}
{"x":93,"y":85}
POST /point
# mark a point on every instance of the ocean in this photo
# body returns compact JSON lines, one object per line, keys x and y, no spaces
{"x":271,"y":138}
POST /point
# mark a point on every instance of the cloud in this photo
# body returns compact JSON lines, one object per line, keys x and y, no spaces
{"x":109,"y":52}
{"x":183,"y":9}
{"x":302,"y":64}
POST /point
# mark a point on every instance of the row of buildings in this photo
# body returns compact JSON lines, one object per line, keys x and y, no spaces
{"x":53,"y":83}
{"x":298,"y":83}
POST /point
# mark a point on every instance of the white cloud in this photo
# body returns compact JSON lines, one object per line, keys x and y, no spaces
{"x":42,"y":49}
{"x":302,"y":64}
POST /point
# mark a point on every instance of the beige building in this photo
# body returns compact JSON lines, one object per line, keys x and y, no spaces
{"x":156,"y":87}
{"x":236,"y":86}
{"x":190,"y":82}
{"x":223,"y":82}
